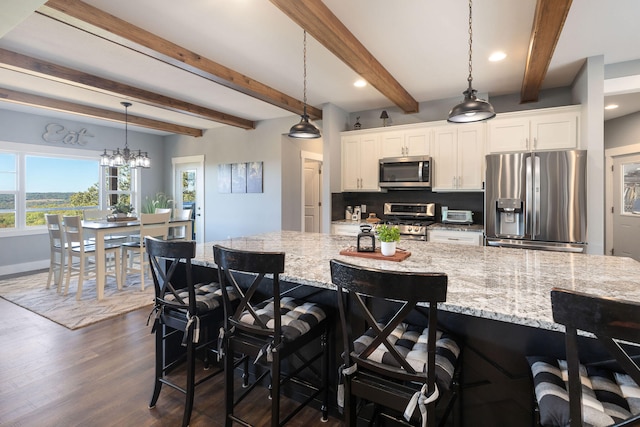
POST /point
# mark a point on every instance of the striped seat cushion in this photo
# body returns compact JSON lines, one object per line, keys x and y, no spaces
{"x":608,"y":397}
{"x":411,"y":342}
{"x":297,"y":317}
{"x":208,"y":296}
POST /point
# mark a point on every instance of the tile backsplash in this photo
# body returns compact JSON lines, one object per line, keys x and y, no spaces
{"x":374,"y":202}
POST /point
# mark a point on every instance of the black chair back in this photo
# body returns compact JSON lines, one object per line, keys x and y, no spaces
{"x":232,"y":264}
{"x":610,"y":320}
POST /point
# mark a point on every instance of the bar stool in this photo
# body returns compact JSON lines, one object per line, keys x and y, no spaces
{"x":403,"y":361}
{"x":271,"y":327}
{"x":575,"y":393}
{"x":182,"y":307}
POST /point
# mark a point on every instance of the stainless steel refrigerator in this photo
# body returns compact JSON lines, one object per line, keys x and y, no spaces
{"x":537,"y":200}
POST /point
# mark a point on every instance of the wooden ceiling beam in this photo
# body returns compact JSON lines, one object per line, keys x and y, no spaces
{"x":87,"y":18}
{"x":326,"y":28}
{"x":36,"y":67}
{"x":547,"y":27}
{"x":31,"y":100}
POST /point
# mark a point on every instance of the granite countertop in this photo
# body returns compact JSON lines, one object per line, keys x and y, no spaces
{"x":510,"y":285}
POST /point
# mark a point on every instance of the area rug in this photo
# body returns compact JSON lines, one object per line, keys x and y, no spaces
{"x":30,"y":292}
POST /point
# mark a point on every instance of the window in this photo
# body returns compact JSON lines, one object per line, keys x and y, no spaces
{"x":36,"y":180}
{"x":631,"y":188}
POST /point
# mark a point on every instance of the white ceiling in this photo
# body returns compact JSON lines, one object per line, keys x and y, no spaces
{"x":422,"y":43}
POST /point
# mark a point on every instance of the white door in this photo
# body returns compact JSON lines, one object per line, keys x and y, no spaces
{"x":189,"y":190}
{"x":312,"y":193}
{"x":626,"y":206}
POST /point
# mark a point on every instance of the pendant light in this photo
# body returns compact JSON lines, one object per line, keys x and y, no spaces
{"x":471,"y":109}
{"x":304,"y":129}
{"x":126,"y":156}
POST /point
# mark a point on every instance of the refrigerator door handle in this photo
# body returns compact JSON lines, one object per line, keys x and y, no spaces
{"x":528,"y":196}
{"x":536,"y":196}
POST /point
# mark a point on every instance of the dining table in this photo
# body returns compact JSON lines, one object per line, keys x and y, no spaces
{"x":102,"y":228}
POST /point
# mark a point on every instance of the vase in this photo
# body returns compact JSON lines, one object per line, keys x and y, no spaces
{"x":388,"y":248}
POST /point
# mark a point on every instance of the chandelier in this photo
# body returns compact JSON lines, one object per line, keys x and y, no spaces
{"x":304,"y":129}
{"x":127,"y":157}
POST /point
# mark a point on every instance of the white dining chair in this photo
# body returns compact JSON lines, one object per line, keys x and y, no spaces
{"x":180,"y":232}
{"x":153,"y":225}
{"x":78,"y":248}
{"x":57,"y":250}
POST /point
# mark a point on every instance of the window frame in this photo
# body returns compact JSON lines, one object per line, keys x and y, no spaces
{"x":21,"y":151}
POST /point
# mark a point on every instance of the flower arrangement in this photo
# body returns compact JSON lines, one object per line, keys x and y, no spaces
{"x":388,"y":233}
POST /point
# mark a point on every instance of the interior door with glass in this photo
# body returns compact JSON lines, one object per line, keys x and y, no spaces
{"x":189,"y":194}
{"x":626,"y":202}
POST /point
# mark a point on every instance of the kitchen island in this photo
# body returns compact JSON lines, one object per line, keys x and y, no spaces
{"x":498,"y":303}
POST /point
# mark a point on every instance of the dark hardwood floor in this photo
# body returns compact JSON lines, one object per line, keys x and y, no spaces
{"x":101,"y":375}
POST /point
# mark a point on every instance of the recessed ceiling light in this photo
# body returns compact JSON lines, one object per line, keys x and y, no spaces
{"x":611,"y":107}
{"x":360,"y":83}
{"x":497,"y":56}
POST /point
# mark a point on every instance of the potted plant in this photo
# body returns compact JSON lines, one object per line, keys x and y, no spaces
{"x":122,"y":209}
{"x":389,"y":235}
{"x":160,"y":201}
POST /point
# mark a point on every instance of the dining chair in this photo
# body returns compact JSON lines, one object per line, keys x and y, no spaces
{"x":153,"y":225}
{"x":591,"y":391}
{"x":287,"y":336}
{"x":57,"y":250}
{"x":400,"y":359}
{"x":78,"y":248}
{"x":187,"y":315}
{"x":180,"y":232}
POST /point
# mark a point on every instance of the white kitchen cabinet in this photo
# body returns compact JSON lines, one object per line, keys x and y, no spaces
{"x":360,"y":157}
{"x":413,"y":142}
{"x":470,"y":238}
{"x":346,"y":228}
{"x":536,"y":130}
{"x":458,"y":157}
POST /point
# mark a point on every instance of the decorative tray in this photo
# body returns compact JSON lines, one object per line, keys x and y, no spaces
{"x":400,"y":254}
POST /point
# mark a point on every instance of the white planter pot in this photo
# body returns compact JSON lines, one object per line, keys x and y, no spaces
{"x":388,"y":248}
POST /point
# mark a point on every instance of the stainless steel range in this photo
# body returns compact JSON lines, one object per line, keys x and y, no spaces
{"x":412,"y":219}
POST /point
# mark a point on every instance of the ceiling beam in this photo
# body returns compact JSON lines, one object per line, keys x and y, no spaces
{"x":31,"y":100}
{"x":547,"y":26}
{"x":36,"y":67}
{"x":87,"y":18}
{"x":326,"y":28}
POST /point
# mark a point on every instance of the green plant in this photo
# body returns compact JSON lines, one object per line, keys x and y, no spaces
{"x":160,"y":201}
{"x":122,"y":207}
{"x":388,"y":233}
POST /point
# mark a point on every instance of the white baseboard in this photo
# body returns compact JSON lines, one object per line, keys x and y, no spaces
{"x":24,"y":267}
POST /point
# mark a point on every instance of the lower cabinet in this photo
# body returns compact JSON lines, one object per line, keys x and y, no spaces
{"x":346,"y":229}
{"x":471,"y":238}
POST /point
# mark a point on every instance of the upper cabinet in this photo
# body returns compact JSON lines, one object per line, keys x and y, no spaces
{"x":360,"y":156}
{"x":459,"y":157}
{"x":535,"y":130}
{"x":411,"y":142}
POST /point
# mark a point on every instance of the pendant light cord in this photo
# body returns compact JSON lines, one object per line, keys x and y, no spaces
{"x":304,"y":62}
{"x":470,"y":44}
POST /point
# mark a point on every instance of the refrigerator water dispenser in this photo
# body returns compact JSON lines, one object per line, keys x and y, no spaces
{"x":509,"y":218}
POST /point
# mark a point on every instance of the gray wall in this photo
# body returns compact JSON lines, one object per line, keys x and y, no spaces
{"x":31,"y":251}
{"x":622,"y":131}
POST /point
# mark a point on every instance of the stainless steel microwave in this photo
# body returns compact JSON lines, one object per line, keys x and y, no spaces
{"x":405,"y":172}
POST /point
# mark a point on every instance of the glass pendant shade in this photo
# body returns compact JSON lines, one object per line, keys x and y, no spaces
{"x":471,"y":109}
